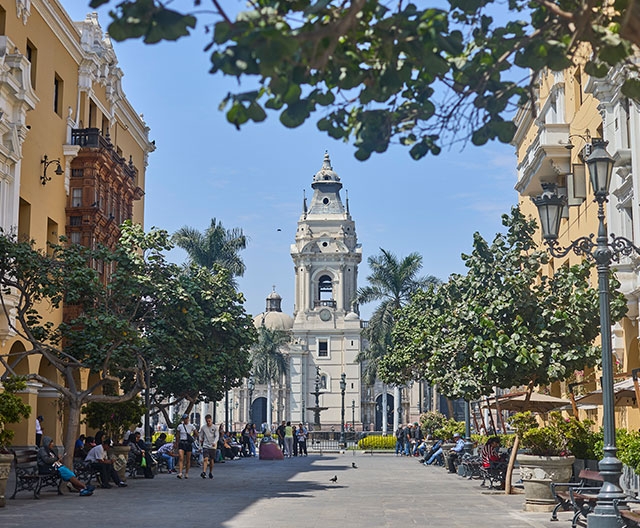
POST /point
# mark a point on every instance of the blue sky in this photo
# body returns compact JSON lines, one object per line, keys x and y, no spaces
{"x":254,"y":178}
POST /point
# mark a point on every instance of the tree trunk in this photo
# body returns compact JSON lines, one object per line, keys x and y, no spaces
{"x":514,"y":450}
{"x":72,"y":431}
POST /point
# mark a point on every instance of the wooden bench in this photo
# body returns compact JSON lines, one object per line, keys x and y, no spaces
{"x":27,"y":476}
{"x":629,"y":518}
{"x":578,"y":496}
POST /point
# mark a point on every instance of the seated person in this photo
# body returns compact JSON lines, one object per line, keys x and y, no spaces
{"x":78,"y":447}
{"x":435,"y":455}
{"x":137,"y":450}
{"x":491,"y":458}
{"x":160,"y":441}
{"x":225,"y":445}
{"x":49,"y":462}
{"x":99,"y":460}
{"x":455,"y":452}
{"x":166,"y":453}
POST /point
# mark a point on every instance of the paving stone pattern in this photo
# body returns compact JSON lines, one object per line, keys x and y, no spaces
{"x":384,"y":491}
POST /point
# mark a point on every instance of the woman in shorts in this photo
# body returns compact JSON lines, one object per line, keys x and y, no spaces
{"x":184,"y":438}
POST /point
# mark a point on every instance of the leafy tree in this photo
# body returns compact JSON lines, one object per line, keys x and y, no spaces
{"x":216,"y":245}
{"x":111,"y":324}
{"x":205,"y":352}
{"x":12,"y":408}
{"x":392,"y":282}
{"x":504,"y":324}
{"x":378,"y":73}
{"x":268,"y":360}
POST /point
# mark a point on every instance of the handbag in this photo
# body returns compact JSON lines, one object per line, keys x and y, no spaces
{"x":143,"y":462}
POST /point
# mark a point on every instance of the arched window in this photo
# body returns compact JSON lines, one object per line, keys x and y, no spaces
{"x":325,"y":288}
{"x":323,"y":382}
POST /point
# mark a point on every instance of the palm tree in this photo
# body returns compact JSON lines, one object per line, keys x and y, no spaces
{"x":216,"y":245}
{"x":392,"y":281}
{"x":268,"y":360}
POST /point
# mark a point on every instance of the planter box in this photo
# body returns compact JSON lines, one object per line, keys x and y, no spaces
{"x":5,"y":470}
{"x":537,"y":473}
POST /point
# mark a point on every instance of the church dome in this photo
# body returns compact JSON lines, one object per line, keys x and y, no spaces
{"x":351,"y":316}
{"x":273,"y":320}
{"x":273,"y":317}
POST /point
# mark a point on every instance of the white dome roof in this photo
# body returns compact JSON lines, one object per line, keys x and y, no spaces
{"x":273,"y":320}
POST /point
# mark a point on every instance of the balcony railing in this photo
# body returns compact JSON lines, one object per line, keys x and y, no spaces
{"x":92,"y":138}
{"x":328,"y":303}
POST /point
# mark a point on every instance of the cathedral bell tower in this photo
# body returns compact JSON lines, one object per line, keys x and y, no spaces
{"x":326,"y":330}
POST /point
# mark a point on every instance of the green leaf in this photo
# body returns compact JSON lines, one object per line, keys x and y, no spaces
{"x":631,"y":88}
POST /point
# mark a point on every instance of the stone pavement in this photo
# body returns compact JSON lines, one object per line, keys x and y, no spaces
{"x":385,"y":491}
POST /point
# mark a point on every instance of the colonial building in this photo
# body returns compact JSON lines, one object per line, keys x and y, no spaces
{"x":552,"y":144}
{"x":73,"y":154}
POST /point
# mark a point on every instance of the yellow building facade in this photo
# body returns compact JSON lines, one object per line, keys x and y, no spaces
{"x":553,"y":139}
{"x":73,"y":153}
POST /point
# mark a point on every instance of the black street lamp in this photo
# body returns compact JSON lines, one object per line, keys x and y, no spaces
{"x":251,"y":385}
{"x":603,"y":252}
{"x":343,"y":387}
{"x":353,"y":415}
{"x":468,"y":444}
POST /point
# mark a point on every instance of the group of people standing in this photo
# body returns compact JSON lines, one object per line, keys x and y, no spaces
{"x":408,"y":438}
{"x":291,"y":439}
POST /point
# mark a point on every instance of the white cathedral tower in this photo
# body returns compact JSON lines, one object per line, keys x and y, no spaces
{"x":326,"y":329}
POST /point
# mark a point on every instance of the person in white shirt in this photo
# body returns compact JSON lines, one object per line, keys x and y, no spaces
{"x":184,"y":439}
{"x":39,"y":421}
{"x":209,"y":435}
{"x":99,"y":459}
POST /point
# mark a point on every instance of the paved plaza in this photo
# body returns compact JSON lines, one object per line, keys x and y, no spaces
{"x":384,"y":490}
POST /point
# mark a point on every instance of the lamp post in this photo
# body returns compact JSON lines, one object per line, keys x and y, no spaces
{"x":468,"y":444}
{"x":251,"y":385}
{"x":353,"y":414}
{"x":343,"y":387}
{"x":603,"y":252}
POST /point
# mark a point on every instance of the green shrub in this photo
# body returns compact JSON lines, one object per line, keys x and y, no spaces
{"x":377,"y":442}
{"x":448,"y":429}
{"x":431,"y":421}
{"x":559,"y":437}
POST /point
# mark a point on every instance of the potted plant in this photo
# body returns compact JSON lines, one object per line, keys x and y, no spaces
{"x":12,"y":410}
{"x":550,"y":454}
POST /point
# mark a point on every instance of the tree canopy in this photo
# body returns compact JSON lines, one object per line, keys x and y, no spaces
{"x":392,"y":281}
{"x":126,"y":310}
{"x":503,"y":324}
{"x":376,"y":72}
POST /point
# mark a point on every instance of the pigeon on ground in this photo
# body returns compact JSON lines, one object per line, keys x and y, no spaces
{"x":353,"y":465}
{"x":334,"y":479}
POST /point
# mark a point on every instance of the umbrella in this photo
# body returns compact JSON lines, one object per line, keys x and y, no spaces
{"x":541,"y":403}
{"x":623,"y":395}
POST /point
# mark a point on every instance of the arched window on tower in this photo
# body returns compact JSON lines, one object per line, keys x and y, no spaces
{"x":325,"y":292}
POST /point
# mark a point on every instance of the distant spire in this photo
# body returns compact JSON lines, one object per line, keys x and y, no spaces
{"x":304,"y":202}
{"x":326,"y":164}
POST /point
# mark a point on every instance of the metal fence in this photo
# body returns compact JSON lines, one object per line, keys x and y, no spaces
{"x":320,"y":441}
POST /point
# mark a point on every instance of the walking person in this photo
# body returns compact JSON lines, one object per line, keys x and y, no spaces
{"x":184,"y":439}
{"x":295,"y":441}
{"x":280,"y":432}
{"x":209,"y":436}
{"x":288,"y":440}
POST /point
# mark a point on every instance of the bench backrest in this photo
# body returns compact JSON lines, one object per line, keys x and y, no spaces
{"x":589,"y":474}
{"x":25,"y":457}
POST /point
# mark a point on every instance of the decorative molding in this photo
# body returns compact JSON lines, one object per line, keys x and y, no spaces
{"x":23,"y":10}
